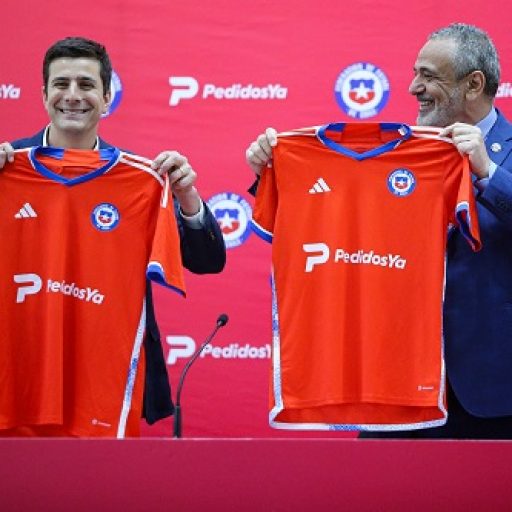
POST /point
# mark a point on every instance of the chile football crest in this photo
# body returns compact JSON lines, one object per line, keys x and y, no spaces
{"x":105,"y":217}
{"x":362,"y":90}
{"x":401,"y":182}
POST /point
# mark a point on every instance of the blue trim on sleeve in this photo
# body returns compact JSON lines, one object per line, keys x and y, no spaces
{"x":156,"y":274}
{"x":464,"y":221}
{"x":111,"y":155}
{"x":388,"y":146}
{"x":262,"y":233}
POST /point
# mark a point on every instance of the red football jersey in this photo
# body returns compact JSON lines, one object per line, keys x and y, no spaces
{"x":80,"y":231}
{"x":358,"y":216}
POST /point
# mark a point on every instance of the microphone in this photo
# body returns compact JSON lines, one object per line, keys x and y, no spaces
{"x":222,"y":320}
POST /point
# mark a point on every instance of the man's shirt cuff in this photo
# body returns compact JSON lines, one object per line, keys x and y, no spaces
{"x":195,"y":221}
{"x":481,"y":184}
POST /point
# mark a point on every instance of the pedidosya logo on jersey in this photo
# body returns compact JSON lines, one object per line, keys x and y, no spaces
{"x":401,"y":182}
{"x":362,"y":90}
{"x":31,"y":284}
{"x":233,"y":214}
{"x":105,"y":217}
{"x":116,"y":94}
{"x":320,"y":253}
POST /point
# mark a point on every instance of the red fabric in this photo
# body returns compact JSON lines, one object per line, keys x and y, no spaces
{"x":72,"y":294}
{"x":300,"y":46}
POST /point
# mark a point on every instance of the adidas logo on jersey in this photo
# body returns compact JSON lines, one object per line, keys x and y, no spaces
{"x":26,"y":212}
{"x":319,"y":187}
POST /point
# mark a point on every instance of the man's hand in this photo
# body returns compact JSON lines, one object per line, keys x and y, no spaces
{"x":259,"y":153}
{"x":6,"y":154}
{"x":181,"y":178}
{"x":469,"y":141}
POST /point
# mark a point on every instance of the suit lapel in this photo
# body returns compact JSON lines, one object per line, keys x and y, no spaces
{"x":499,"y":140}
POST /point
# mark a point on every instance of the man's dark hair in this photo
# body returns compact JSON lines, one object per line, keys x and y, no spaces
{"x":75,"y":48}
{"x":475,"y":52}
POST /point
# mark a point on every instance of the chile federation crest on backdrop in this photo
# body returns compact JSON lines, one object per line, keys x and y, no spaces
{"x":116,"y":94}
{"x":362,"y":90}
{"x":233,"y":214}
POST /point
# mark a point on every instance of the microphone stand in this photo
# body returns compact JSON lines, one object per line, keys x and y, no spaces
{"x":221,"y":322}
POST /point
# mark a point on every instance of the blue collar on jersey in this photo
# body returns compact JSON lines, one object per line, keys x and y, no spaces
{"x":404,"y":131}
{"x":111,"y":155}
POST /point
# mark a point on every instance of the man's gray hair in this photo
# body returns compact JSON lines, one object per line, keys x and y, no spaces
{"x":475,"y":52}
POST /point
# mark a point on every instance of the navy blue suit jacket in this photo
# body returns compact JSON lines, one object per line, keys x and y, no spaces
{"x":478,"y":296}
{"x":203,"y":252}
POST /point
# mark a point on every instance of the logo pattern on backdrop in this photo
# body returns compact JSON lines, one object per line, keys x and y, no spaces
{"x":116,"y":94}
{"x":187,"y":87}
{"x":362,"y":90}
{"x":233,"y":214}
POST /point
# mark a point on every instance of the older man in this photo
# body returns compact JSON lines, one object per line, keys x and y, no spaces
{"x":456,"y":77}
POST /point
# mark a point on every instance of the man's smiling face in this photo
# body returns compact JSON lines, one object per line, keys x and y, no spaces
{"x":440,"y":94}
{"x":74,"y":96}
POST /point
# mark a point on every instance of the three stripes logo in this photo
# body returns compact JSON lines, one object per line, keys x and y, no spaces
{"x":26,"y":212}
{"x":319,"y":187}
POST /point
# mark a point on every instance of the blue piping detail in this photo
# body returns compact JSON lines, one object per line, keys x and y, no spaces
{"x":388,"y":146}
{"x":111,"y":155}
{"x":155,"y":273}
{"x":464,"y":220}
{"x":262,"y":233}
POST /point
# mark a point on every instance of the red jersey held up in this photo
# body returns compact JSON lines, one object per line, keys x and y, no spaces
{"x":358,"y":216}
{"x":80,"y":232}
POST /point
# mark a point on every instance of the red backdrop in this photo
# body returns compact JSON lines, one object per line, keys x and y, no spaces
{"x":293,"y":52}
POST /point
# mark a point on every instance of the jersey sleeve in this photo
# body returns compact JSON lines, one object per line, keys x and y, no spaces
{"x":165,"y":265}
{"x":465,"y":215}
{"x":265,"y":207}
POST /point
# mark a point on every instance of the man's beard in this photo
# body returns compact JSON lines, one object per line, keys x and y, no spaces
{"x":445,"y":114}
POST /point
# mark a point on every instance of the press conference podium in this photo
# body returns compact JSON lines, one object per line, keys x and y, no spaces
{"x":255,"y":475}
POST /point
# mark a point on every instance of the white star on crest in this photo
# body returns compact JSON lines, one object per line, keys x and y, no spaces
{"x":226,"y":221}
{"x":361,"y":91}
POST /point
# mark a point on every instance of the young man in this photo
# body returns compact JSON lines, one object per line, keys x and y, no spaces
{"x":76,"y":92}
{"x":456,"y":77}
